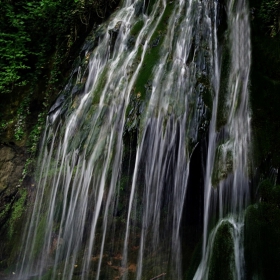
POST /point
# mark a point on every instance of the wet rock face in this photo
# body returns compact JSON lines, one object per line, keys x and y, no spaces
{"x":12,"y":160}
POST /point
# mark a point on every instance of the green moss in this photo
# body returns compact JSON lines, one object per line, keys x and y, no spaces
{"x":222,"y":257}
{"x":162,"y":26}
{"x":153,"y":54}
{"x":137,"y":27}
{"x":18,"y":209}
{"x":12,"y":218}
{"x":145,"y":72}
{"x":269,"y":14}
{"x":100,"y":86}
{"x":39,"y":239}
{"x":15,"y":211}
{"x":134,"y":32}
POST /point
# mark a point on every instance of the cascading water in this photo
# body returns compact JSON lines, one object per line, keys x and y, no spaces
{"x":228,"y":149}
{"x":113,"y":172}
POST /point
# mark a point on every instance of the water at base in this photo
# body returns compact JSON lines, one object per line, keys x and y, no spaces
{"x":113,"y":172}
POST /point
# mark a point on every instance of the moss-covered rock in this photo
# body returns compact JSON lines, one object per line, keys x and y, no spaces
{"x":12,"y":197}
{"x":222,"y":256}
{"x":223,"y":164}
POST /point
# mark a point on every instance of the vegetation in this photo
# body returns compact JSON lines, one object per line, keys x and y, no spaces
{"x":32,"y":30}
{"x":11,"y":226}
{"x":39,"y":41}
{"x":270,"y":15}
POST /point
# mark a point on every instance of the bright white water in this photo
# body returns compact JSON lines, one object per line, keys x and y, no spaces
{"x":113,"y":172}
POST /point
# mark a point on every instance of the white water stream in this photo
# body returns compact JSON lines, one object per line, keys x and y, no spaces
{"x":107,"y":207}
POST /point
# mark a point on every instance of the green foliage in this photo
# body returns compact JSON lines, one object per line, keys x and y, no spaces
{"x":34,"y":136}
{"x":22,"y":113}
{"x":38,"y":42}
{"x":270,"y":15}
{"x":31,"y":30}
{"x":27,"y":165}
{"x":135,"y":30}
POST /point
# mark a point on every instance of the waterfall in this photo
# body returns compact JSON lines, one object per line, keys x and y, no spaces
{"x":228,"y":151}
{"x":153,"y":83}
